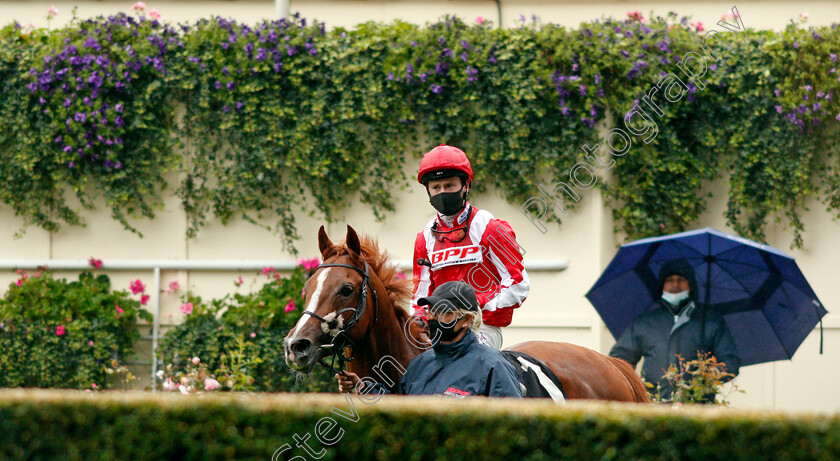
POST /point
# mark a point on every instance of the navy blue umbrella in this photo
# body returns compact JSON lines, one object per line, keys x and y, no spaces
{"x":765,"y":300}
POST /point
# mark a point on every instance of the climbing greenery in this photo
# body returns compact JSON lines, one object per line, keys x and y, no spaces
{"x":262,"y":122}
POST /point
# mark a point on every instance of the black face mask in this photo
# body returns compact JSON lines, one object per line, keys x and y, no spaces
{"x":446,"y":332}
{"x":448,"y":203}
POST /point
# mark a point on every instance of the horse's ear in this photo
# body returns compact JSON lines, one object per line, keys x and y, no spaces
{"x":352,"y":241}
{"x":324,"y":242}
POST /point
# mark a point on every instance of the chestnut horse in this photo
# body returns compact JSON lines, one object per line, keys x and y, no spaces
{"x":353,"y":300}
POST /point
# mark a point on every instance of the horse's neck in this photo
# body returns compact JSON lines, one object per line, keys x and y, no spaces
{"x":386,"y":345}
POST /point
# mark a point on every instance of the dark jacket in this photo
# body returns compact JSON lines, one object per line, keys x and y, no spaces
{"x":461,"y":369}
{"x":653,"y":335}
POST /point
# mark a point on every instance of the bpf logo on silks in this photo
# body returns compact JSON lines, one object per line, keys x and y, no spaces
{"x":458,"y":255}
{"x":455,"y":392}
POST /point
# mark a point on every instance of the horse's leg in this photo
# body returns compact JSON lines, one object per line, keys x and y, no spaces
{"x":586,"y":374}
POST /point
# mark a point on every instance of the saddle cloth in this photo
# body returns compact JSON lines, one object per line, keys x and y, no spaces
{"x":535,"y":378}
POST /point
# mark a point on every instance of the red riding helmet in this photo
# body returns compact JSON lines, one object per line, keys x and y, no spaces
{"x":444,"y":157}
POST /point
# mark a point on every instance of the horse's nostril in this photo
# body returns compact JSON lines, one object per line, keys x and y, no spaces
{"x":301,"y":346}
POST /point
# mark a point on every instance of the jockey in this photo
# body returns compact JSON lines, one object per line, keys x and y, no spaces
{"x":463,"y":243}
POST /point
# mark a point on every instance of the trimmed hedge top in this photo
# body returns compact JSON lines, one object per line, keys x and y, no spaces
{"x":76,"y":425}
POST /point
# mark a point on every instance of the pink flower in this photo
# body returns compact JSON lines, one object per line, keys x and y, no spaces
{"x":729,"y":16}
{"x":119,"y":311}
{"x":290,"y":307}
{"x":309,"y":264}
{"x":196,"y":360}
{"x":19,"y":282}
{"x":94,"y":386}
{"x":96,"y":263}
{"x":59,"y":330}
{"x":137,"y":287}
{"x":238,"y":281}
{"x":168,"y":385}
{"x":699,"y":26}
{"x":154,"y":14}
{"x":211,"y":384}
{"x":479,"y":20}
{"x":267,"y":270}
{"x":139,"y":6}
{"x":220,"y":328}
{"x":635,"y":15}
{"x":804,"y":16}
{"x":253,"y":335}
{"x":173,"y":287}
{"x":52,"y":12}
{"x":144,"y":299}
{"x":303,"y":293}
{"x":187,"y":308}
{"x":90,"y":343}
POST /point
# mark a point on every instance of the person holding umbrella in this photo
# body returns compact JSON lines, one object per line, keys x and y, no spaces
{"x":675,"y":326}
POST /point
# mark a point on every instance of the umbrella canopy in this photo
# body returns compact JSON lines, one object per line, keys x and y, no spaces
{"x":765,"y":300}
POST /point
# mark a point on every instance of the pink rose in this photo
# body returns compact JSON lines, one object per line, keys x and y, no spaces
{"x":211,"y":384}
{"x":253,"y":335}
{"x":96,"y":263}
{"x":173,"y":287}
{"x":137,"y":287}
{"x":90,"y":343}
{"x":144,"y":299}
{"x":94,"y":386}
{"x":196,"y":360}
{"x":154,"y":14}
{"x":290,"y":307}
{"x":59,"y":330}
{"x":635,"y":15}
{"x":267,"y":270}
{"x":187,"y":308}
{"x":699,"y":26}
{"x":120,"y":309}
{"x":139,"y":6}
{"x":168,"y":385}
{"x":238,"y":281}
{"x":479,"y":20}
{"x":52,"y":12}
{"x":19,"y":282}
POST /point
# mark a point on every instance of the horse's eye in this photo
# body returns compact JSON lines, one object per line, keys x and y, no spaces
{"x":346,"y":290}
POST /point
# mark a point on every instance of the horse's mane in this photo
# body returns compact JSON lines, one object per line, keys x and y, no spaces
{"x":399,"y":290}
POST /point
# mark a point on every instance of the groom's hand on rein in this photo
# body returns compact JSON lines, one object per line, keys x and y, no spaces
{"x":347,"y":381}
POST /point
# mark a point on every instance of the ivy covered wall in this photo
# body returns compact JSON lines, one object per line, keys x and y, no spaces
{"x":286,"y":116}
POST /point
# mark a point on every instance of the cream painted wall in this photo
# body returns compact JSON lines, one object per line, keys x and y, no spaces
{"x":759,"y":14}
{"x":556,"y":308}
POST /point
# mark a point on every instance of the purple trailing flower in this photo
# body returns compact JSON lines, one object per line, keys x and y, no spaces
{"x":422,"y":77}
{"x":582,"y":89}
{"x":597,"y":79}
{"x":230,"y":85}
{"x":837,"y":118}
{"x":117,"y":165}
{"x":625,"y":54}
{"x":118,"y":107}
{"x":218,"y":85}
{"x":277,"y":66}
{"x":471,"y":74}
{"x":59,"y":139}
{"x":808,"y":88}
{"x":290,"y":50}
{"x":262,"y":54}
{"x":80,"y":117}
{"x":796,"y":45}
{"x":817,"y":106}
{"x":820,"y":94}
{"x":464,"y":56}
{"x":564,"y":110}
{"x":436,"y":89}
{"x":68,"y":149}
{"x":779,"y":109}
{"x":33,"y":87}
{"x":239,"y":106}
{"x":225,"y":109}
{"x":413,"y":43}
{"x":390,"y":76}
{"x":492,"y":59}
{"x":833,"y":57}
{"x":593,"y":111}
{"x":777,"y":92}
{"x":119,"y":122}
{"x":225,"y":45}
{"x":71,"y":165}
{"x":442,"y":40}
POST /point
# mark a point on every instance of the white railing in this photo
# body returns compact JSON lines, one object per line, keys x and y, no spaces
{"x":156,"y":265}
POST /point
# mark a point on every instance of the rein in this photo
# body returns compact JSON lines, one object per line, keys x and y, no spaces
{"x":341,"y":339}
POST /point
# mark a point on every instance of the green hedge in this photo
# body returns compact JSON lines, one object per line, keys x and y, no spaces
{"x":239,"y":337}
{"x":66,"y":334}
{"x":286,"y":116}
{"x":79,"y":426}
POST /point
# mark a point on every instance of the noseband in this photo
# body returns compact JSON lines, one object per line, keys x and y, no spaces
{"x":342,"y":340}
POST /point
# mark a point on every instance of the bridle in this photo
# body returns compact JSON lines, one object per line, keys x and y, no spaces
{"x":342,"y":340}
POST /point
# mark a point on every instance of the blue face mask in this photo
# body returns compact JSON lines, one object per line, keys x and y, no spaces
{"x":674,"y":299}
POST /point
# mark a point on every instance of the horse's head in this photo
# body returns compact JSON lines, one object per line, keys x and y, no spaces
{"x":340,"y":303}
